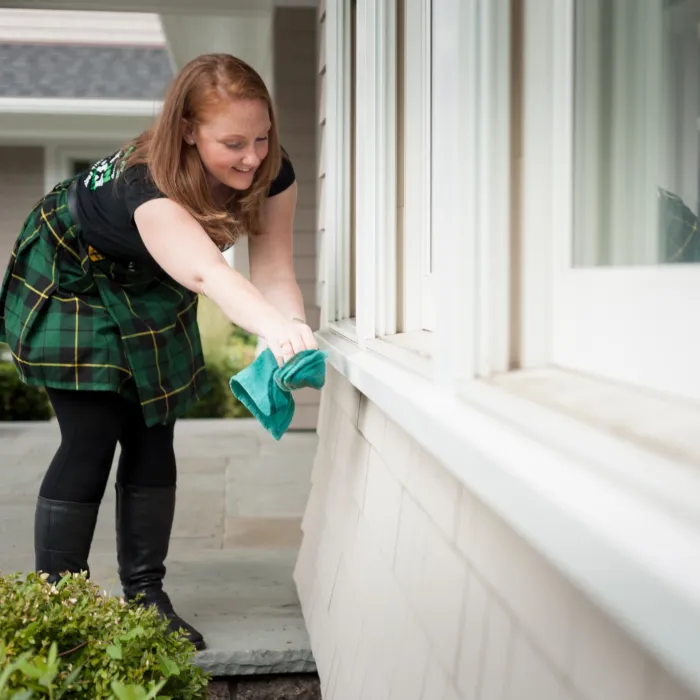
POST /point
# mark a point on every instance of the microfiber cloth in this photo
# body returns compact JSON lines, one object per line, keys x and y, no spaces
{"x":265,"y":388}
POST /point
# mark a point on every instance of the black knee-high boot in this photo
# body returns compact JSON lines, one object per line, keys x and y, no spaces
{"x":144,"y":523}
{"x":63,"y":534}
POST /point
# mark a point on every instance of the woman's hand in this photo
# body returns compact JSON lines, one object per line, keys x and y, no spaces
{"x":286,"y":338}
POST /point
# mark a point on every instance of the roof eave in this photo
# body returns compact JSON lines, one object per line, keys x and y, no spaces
{"x":79,"y":106}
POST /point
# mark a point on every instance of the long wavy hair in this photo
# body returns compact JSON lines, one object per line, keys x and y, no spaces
{"x":177,"y":170}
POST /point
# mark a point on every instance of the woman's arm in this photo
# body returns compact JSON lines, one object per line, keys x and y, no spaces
{"x":182,"y":248}
{"x":272,"y":258}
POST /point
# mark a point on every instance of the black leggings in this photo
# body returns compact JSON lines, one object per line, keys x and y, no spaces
{"x":92,"y":423}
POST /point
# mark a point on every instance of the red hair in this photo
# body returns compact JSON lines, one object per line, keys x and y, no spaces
{"x":178,"y":172}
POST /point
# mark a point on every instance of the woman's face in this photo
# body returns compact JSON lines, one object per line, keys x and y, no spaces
{"x":232,"y":142}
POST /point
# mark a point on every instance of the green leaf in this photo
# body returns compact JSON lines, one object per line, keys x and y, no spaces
{"x":168,"y":666}
{"x":53,"y":654}
{"x":30,"y":669}
{"x":23,"y":695}
{"x":127,"y":692}
{"x":114,"y":651}
{"x":138,"y":631}
{"x":155,"y":690}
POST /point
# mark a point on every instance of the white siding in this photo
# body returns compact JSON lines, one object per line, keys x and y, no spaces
{"x":413,"y":589}
{"x":295,"y":96}
{"x":21,"y":187}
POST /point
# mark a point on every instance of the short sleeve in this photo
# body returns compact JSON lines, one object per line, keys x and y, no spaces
{"x":285,"y":178}
{"x":136,"y":188}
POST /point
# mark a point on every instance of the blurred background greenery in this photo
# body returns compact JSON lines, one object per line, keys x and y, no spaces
{"x":227,"y":350}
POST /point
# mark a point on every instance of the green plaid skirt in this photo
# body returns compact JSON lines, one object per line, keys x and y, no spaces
{"x":74,"y":320}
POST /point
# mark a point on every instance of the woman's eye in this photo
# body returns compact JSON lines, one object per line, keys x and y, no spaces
{"x":263,"y":138}
{"x":234,"y":146}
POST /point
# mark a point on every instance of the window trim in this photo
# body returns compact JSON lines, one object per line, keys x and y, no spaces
{"x":601,"y":317}
{"x":418,"y":302}
{"x":472,"y":137}
{"x":375,"y":159}
{"x":334,"y":211}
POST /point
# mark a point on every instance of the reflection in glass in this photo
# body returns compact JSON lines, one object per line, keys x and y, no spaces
{"x":637,"y":140}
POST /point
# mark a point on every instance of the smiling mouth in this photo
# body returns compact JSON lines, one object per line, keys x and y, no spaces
{"x":241,"y":170}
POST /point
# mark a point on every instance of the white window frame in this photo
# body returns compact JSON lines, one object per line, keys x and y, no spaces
{"x":629,"y":324}
{"x":419,"y":164}
{"x":336,"y":214}
{"x":375,"y":167}
{"x":469,"y":213}
{"x":565,"y":485}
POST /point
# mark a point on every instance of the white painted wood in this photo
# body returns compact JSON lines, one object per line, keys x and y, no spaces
{"x":455,"y":185}
{"x":343,"y":162}
{"x":629,"y":324}
{"x":71,"y":27}
{"x":493,"y":270}
{"x":537,"y":186}
{"x":418,"y":167}
{"x":606,"y":537}
{"x":60,"y":105}
{"x":346,"y":329}
{"x":375,"y":163}
{"x":208,"y":7}
{"x":335,"y":125}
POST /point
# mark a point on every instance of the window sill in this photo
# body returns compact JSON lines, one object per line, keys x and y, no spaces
{"x":346,"y":329}
{"x":612,"y":514}
{"x":413,"y":351}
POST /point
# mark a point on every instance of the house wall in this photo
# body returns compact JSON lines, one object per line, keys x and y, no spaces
{"x":295,"y":97}
{"x":21,"y":187}
{"x":413,"y":589}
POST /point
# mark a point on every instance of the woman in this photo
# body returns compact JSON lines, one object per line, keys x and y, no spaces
{"x":99,"y":306}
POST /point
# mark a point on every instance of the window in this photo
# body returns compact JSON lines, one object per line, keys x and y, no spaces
{"x":79,"y":165}
{"x":623,"y":82}
{"x":636,"y":122}
{"x":337,"y":182}
{"x":415,"y":165}
{"x":380,"y":188}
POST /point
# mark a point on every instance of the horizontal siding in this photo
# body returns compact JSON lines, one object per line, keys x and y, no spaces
{"x":21,"y":187}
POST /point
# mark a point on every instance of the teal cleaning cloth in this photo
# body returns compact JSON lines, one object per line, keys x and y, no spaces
{"x":265,"y":389}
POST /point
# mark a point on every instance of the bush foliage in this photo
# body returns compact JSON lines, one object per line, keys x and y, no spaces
{"x":68,"y":640}
{"x":18,"y":401}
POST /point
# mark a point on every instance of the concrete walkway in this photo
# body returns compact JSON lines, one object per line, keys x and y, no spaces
{"x":241,"y":496}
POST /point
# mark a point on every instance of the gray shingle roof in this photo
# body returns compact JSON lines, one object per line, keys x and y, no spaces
{"x":66,"y":70}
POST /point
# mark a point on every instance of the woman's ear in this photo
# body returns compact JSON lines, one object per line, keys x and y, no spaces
{"x":187,"y":132}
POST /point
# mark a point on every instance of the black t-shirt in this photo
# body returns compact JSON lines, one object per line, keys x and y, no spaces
{"x":106,"y":208}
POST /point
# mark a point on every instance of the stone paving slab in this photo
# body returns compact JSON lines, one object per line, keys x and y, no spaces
{"x":241,"y":497}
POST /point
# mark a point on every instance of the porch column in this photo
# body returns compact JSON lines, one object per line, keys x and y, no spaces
{"x":247,"y":35}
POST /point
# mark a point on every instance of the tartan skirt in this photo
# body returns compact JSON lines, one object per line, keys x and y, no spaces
{"x":75,"y":320}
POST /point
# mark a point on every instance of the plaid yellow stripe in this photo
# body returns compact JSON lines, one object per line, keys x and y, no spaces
{"x":74,"y":320}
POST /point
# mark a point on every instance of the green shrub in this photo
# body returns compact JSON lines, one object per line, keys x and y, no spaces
{"x":219,"y":402}
{"x":227,"y":350}
{"x":69,"y":641}
{"x":19,"y":401}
